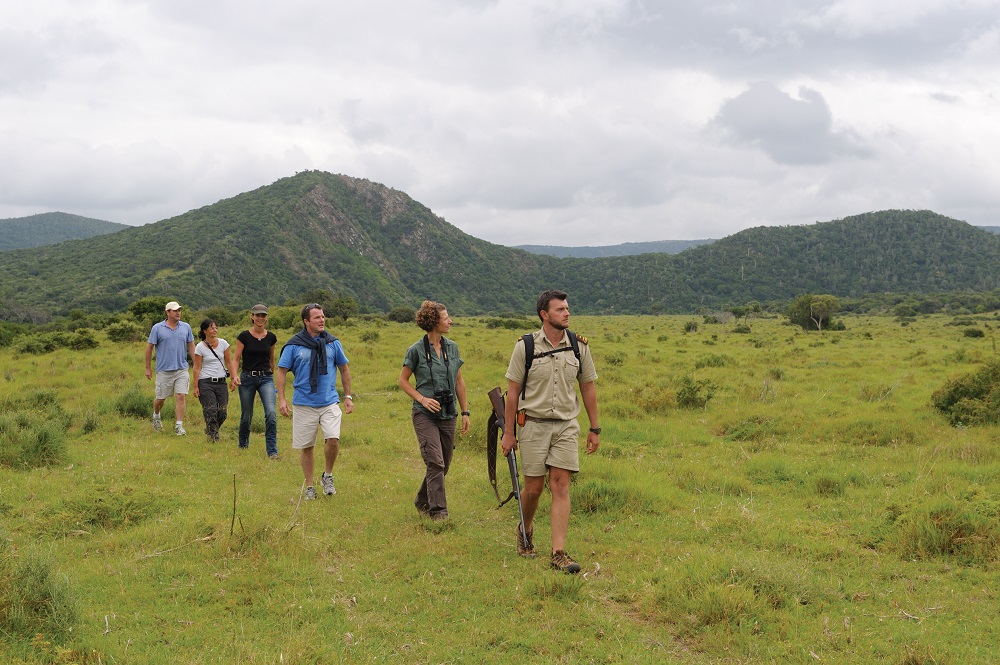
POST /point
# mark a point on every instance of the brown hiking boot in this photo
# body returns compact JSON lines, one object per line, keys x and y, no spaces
{"x":523,"y":549}
{"x":564,"y":562}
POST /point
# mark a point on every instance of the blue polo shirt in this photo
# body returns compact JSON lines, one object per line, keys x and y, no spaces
{"x":171,"y":345}
{"x":296,"y":360}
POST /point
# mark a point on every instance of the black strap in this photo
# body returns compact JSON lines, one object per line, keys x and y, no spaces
{"x":529,"y":355}
{"x":218,"y":358}
{"x":444,"y":357}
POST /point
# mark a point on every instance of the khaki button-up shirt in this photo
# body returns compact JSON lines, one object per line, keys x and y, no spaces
{"x":551,"y":390}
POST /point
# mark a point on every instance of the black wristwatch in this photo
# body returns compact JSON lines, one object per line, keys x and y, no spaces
{"x":595,"y":430}
{"x":466,"y":413}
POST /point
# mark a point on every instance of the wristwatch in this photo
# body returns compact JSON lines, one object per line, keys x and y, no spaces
{"x":466,"y":413}
{"x":348,"y":397}
{"x":595,"y":430}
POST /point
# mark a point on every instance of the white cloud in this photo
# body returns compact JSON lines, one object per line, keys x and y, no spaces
{"x":573,"y":122}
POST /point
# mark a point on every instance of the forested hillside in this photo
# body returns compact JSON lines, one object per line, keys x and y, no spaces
{"x":322,"y":231}
{"x":49,"y":228}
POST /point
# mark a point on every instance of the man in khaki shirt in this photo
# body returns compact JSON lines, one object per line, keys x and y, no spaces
{"x":550,"y":433}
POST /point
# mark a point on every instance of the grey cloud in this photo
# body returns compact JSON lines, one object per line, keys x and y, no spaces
{"x":789,"y":130}
{"x":785,"y":38}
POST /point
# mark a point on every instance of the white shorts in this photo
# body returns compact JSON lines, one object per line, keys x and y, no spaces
{"x":307,"y":419}
{"x":172,"y":382}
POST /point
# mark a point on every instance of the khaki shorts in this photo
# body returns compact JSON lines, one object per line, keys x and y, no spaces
{"x":172,"y":382}
{"x":553,"y":443}
{"x":307,"y":419}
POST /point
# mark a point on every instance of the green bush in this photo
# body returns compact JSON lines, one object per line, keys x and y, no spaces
{"x":41,"y":343}
{"x":714,"y":360}
{"x":691,"y":327}
{"x":402,"y":314}
{"x":973,"y":332}
{"x":973,"y":399}
{"x":694,"y":394}
{"x":370,"y":336}
{"x":124,"y":331}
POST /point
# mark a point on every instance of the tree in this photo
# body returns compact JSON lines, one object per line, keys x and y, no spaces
{"x":812,"y":312}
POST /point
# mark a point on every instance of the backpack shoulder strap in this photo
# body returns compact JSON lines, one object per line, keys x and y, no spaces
{"x":529,"y":357}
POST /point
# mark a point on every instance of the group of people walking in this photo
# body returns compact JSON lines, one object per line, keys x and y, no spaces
{"x":545,"y":407}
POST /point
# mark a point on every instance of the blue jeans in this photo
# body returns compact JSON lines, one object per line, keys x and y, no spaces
{"x":264,"y":386}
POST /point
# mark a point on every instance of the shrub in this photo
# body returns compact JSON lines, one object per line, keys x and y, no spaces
{"x":694,"y":394}
{"x":221,"y":315}
{"x":973,"y":399}
{"x":403,"y":314}
{"x":615,"y":359}
{"x":714,"y":360}
{"x":41,"y":343}
{"x":369,"y":336}
{"x":508,"y":324}
{"x":742,"y":329}
{"x":691,"y":327}
{"x":124,"y":331}
{"x":973,"y":332}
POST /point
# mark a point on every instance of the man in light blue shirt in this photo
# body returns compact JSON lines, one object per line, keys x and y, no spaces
{"x":173,"y":341}
{"x":314,"y":356}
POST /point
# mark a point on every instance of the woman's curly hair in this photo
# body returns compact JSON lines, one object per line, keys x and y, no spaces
{"x":429,"y":315}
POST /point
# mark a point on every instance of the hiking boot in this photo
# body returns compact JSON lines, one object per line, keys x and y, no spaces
{"x":310,"y":493}
{"x":179,"y":430}
{"x":274,"y":457}
{"x":564,"y":562}
{"x":157,"y":424}
{"x":327,"y":481}
{"x":527,"y":551}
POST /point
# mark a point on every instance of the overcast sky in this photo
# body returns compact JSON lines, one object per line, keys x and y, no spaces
{"x":568,"y":122}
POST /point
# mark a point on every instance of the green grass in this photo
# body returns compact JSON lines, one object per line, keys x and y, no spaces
{"x":816,"y":508}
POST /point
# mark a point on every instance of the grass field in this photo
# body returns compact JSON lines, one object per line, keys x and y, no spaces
{"x":815,"y":509}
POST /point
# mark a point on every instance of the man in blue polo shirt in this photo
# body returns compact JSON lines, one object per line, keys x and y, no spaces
{"x":173,"y":341}
{"x":314,"y":356}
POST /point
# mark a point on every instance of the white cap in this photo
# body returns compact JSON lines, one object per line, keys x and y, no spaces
{"x":172,"y":305}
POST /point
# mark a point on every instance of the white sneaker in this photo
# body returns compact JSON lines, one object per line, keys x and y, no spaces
{"x":157,"y":424}
{"x":310,"y":493}
{"x":179,"y":430}
{"x":327,"y":482}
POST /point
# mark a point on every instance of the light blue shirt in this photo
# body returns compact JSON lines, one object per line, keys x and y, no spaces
{"x":296,"y":359}
{"x":171,"y":345}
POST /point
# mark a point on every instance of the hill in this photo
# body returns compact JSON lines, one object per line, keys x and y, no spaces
{"x":49,"y":228}
{"x":624,"y":249}
{"x":313,"y":230}
{"x":319,"y":230}
{"x":991,"y":229}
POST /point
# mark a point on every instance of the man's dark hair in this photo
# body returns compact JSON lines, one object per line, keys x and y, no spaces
{"x":542,"y":305}
{"x":307,"y":310}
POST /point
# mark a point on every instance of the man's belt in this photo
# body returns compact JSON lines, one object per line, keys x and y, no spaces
{"x":216,"y":379}
{"x":258,"y":373}
{"x":543,"y":420}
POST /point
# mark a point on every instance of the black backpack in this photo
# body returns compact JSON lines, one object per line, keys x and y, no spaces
{"x":529,"y":354}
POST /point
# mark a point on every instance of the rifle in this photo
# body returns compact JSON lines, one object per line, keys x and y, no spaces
{"x":495,"y":425}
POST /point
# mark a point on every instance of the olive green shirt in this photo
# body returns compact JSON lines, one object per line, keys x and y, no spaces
{"x":551,"y":390}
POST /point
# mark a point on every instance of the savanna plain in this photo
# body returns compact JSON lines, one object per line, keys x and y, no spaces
{"x":770,"y":495}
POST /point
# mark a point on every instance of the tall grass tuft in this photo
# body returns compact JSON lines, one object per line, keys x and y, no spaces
{"x":596,"y":495}
{"x":34,"y":598}
{"x":110,"y":508}
{"x":32,"y":430}
{"x":134,"y":402}
{"x":946,"y":528}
